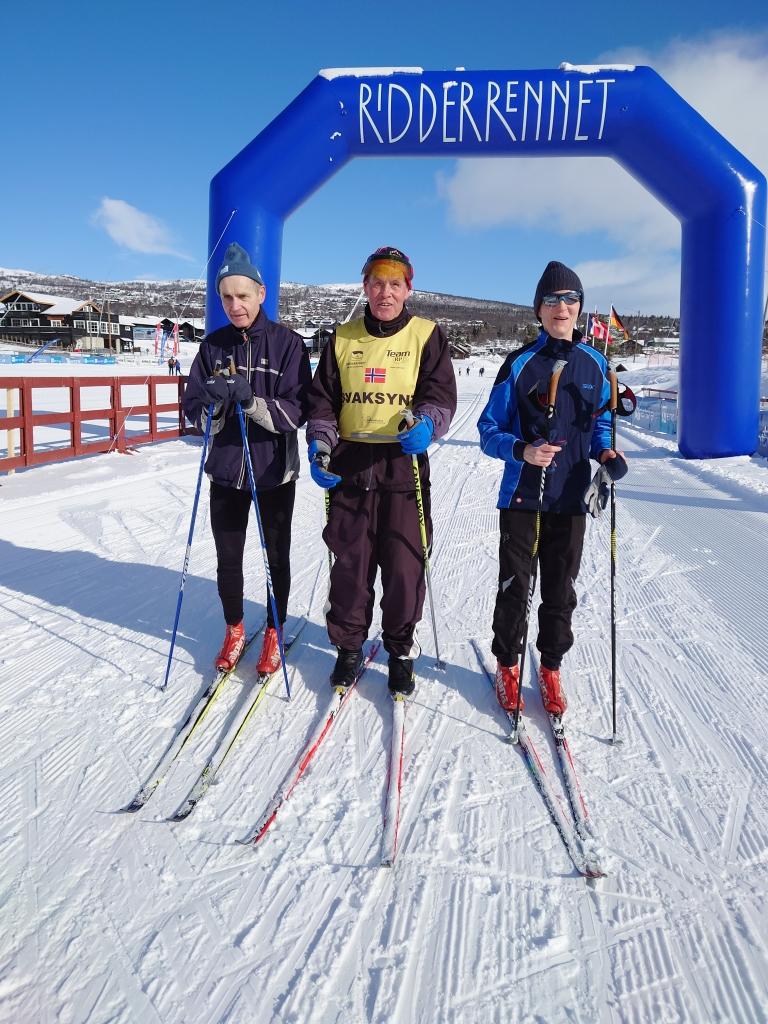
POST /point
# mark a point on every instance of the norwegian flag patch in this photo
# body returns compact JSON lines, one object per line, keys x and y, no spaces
{"x":375,"y":375}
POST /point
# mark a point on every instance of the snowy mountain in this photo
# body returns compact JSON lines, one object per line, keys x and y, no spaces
{"x":164,"y":298}
{"x":472,"y":320}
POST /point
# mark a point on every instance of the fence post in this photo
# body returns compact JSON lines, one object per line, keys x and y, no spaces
{"x":75,"y":407}
{"x":181,"y":381}
{"x":25,"y":411}
{"x":120,"y":415}
{"x":10,"y":435}
{"x":152,"y":402}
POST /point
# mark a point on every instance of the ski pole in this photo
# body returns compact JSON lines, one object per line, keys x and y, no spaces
{"x":614,"y":405}
{"x":327,"y":495}
{"x":557,"y":369}
{"x":272,"y":602}
{"x":409,"y":419}
{"x":206,"y":436}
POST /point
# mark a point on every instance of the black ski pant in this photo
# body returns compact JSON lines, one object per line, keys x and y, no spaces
{"x":561,"y":541}
{"x":230,"y":508}
{"x":366,"y":531}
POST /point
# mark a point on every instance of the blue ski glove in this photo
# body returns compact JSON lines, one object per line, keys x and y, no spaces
{"x":416,"y":440}
{"x":319,"y":456}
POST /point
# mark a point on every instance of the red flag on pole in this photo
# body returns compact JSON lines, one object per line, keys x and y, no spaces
{"x":596,"y":328}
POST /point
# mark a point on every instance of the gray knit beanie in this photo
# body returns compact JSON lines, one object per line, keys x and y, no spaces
{"x":237,"y":262}
{"x":557,"y":278}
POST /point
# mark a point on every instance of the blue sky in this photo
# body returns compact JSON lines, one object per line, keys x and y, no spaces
{"x":117,"y":116}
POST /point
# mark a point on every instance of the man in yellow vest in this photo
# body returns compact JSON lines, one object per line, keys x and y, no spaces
{"x":361,"y":448}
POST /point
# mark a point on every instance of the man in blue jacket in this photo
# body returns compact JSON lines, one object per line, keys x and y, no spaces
{"x":271,"y":378}
{"x":514,"y":427}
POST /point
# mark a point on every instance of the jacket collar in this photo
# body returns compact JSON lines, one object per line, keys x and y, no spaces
{"x":384,"y":328}
{"x":559,"y":347}
{"x":257,"y":327}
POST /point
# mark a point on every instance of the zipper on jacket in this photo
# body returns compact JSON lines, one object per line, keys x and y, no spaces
{"x":247,"y":341}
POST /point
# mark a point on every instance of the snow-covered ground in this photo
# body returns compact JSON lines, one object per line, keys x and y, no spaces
{"x":117,"y":918}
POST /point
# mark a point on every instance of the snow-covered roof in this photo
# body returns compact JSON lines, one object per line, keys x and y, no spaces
{"x":66,"y":307}
{"x":59,"y":304}
{"x":198,"y":322}
{"x":141,"y":321}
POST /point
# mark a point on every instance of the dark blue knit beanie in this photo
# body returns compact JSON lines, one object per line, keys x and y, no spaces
{"x":237,"y":262}
{"x":557,"y":278}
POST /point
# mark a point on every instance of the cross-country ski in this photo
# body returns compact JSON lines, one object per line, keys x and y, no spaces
{"x":389,"y":841}
{"x":337,"y":703}
{"x":193,"y":720}
{"x":569,"y":830}
{"x":213,"y":765}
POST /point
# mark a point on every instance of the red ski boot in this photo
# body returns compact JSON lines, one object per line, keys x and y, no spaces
{"x":553,"y":697}
{"x":269,"y":659}
{"x":232,"y":648}
{"x":507,"y":683}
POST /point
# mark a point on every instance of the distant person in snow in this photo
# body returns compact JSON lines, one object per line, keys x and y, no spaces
{"x":361,"y":448}
{"x":171,"y":366}
{"x":514,"y":427}
{"x":177,"y":366}
{"x":481,"y":371}
{"x":270,"y":383}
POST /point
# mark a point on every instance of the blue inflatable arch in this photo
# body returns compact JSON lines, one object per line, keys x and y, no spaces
{"x":628,"y":113}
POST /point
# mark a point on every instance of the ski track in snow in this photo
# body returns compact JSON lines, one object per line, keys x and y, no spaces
{"x":126,"y":918}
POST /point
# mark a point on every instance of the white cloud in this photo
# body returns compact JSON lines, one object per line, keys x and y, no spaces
{"x":569,"y":194}
{"x":640,"y":282}
{"x":134,"y":229}
{"x":723,"y":77}
{"x":720,"y":75}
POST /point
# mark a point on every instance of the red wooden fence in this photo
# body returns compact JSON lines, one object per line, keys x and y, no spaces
{"x":116,"y":414}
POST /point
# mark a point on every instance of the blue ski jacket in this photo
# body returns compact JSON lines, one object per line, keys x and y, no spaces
{"x":515,"y":416}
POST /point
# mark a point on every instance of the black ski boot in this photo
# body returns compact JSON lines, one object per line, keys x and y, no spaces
{"x":347,"y":666}
{"x":402,"y":681}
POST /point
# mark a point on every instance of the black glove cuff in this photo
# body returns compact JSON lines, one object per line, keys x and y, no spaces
{"x":616,"y":468}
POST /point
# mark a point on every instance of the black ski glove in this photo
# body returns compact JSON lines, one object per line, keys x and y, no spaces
{"x":215,"y":390}
{"x":239,"y":389}
{"x":616,"y":468}
{"x":224,"y":390}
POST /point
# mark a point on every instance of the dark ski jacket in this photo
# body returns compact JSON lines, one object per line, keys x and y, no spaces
{"x":382,"y":466}
{"x":275,"y":362}
{"x":514,"y":417}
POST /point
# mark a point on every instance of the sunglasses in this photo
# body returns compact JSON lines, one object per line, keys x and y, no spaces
{"x":569,"y":298}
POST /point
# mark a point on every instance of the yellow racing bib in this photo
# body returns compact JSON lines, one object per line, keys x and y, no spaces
{"x":378,"y":378}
